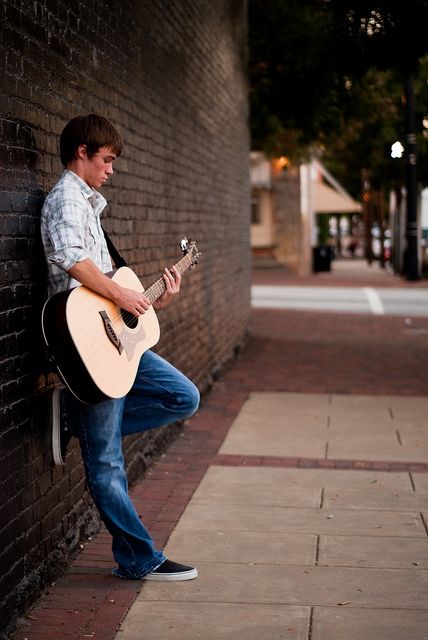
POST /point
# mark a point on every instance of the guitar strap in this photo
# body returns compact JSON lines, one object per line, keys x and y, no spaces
{"x":114,"y":253}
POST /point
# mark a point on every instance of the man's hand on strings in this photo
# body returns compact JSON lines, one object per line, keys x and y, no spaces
{"x":172,"y":280}
{"x":133,"y":301}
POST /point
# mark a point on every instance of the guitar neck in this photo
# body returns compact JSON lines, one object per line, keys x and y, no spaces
{"x":159,"y":287}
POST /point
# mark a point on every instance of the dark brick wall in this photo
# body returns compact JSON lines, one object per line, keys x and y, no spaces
{"x":171,"y":76}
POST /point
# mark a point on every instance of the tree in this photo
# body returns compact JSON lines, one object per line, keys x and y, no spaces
{"x":293,"y":80}
{"x":362,"y":139}
{"x":330,"y":73}
{"x":380,"y":33}
{"x":310,"y":61}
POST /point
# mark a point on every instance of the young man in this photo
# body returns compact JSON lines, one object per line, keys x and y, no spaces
{"x":76,"y":252}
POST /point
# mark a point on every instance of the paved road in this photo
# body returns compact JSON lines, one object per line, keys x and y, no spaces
{"x":377,"y":301}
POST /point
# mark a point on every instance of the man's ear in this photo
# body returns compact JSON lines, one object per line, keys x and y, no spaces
{"x":81,"y":152}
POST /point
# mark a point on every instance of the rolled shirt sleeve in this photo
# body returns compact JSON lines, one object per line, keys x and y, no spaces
{"x":71,"y":230}
{"x":67,"y":233}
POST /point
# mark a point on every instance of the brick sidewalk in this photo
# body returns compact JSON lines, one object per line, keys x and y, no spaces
{"x":286,"y":351}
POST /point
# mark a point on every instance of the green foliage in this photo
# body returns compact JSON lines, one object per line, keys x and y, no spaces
{"x":366,"y":131}
{"x":292,"y":78}
{"x":380,"y":33}
{"x":421,"y":114}
{"x":329,"y":73}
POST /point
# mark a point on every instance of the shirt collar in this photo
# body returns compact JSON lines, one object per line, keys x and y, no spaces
{"x":96,"y":200}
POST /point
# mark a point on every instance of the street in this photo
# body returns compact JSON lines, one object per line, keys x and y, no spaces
{"x":377,"y":301}
{"x":352,"y":286}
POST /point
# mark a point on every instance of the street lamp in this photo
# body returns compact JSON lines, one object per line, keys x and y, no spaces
{"x":397,"y":150}
{"x":411,"y":266}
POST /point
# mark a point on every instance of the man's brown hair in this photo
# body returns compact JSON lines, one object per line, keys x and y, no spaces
{"x":92,"y":130}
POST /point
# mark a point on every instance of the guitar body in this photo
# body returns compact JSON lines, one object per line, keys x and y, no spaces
{"x":95,"y":345}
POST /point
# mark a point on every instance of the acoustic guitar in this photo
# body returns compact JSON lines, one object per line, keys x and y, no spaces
{"x":95,"y":345}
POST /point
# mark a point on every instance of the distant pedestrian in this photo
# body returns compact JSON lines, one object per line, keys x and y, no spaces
{"x":352,"y":247}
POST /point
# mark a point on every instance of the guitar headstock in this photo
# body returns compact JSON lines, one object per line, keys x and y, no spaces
{"x":190,"y":249}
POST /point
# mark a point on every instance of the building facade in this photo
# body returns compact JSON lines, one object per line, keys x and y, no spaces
{"x":288,"y":204}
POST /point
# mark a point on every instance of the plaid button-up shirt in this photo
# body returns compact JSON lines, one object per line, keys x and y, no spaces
{"x":71,"y":230}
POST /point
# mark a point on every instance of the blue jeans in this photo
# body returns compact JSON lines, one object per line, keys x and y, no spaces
{"x":160,"y":395}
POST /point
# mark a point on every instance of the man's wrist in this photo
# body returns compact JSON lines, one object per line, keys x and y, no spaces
{"x":115,"y":293}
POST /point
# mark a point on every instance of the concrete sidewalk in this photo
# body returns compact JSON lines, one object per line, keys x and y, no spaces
{"x":303,"y":553}
{"x":300,"y":491}
{"x":311,"y":521}
{"x":345,"y":272}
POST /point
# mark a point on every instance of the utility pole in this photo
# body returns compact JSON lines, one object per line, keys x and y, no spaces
{"x":368,"y":218}
{"x":411,"y":261}
{"x":381,"y":218}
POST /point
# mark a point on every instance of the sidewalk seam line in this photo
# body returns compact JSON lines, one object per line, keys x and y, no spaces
{"x":424,"y":522}
{"x":317,"y":550}
{"x":311,"y":621}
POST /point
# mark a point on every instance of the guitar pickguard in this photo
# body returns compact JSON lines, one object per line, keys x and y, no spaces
{"x":130,"y":339}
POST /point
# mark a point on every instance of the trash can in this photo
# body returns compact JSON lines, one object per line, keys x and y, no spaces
{"x":321,"y":258}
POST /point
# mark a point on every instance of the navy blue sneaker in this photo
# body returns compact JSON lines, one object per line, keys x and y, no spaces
{"x":170,"y":571}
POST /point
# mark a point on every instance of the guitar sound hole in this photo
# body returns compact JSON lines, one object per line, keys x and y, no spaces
{"x":129,"y":319}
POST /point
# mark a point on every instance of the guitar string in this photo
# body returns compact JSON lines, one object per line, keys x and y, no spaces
{"x":157,"y":288}
{"x":128,"y":316}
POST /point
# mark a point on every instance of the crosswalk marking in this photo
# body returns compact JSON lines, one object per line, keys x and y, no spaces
{"x":375,"y":303}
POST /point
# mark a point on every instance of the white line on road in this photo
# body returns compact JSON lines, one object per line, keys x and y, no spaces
{"x":375,"y":303}
{"x":374,"y":300}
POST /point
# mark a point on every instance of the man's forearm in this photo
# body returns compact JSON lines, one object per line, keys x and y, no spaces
{"x":88,"y":274}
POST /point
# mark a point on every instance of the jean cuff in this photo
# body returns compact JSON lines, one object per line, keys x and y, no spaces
{"x":120,"y":572}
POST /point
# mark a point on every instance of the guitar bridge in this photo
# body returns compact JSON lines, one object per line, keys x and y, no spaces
{"x":111,"y":333}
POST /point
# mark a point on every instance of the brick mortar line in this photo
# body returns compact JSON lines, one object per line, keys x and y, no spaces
{"x":234,"y":460}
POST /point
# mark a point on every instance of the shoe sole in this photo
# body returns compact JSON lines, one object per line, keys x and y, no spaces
{"x":56,"y":439}
{"x":172,"y":577}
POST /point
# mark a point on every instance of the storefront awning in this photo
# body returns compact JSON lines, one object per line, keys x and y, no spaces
{"x":328,"y":200}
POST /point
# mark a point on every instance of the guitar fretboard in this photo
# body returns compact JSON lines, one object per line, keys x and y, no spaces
{"x":157,"y":288}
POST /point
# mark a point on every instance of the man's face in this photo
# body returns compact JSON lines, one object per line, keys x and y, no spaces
{"x":98,"y":168}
